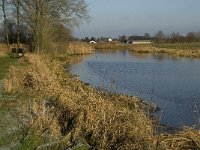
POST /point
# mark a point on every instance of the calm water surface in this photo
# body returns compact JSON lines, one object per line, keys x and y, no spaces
{"x":172,"y":83}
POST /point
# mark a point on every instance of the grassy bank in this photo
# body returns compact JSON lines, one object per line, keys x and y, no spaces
{"x":179,"y":46}
{"x":67,"y":111}
{"x":175,"y":49}
{"x":59,"y":112}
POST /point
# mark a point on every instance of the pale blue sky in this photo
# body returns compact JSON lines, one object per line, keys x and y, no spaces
{"x":118,"y":17}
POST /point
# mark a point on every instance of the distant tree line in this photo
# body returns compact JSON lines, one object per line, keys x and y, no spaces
{"x":123,"y":38}
{"x":40,"y":23}
{"x":161,"y":37}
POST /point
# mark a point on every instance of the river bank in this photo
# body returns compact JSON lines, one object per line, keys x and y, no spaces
{"x":60,"y":112}
{"x":174,"y":49}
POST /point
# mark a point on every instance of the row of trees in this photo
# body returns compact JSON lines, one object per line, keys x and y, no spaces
{"x":40,"y":23}
{"x":122,"y":38}
{"x":177,"y":37}
{"x":160,"y":37}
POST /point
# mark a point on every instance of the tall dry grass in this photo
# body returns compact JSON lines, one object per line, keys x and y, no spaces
{"x":3,"y":50}
{"x":67,"y":110}
{"x":78,"y":48}
{"x":111,"y":45}
{"x":80,"y":111}
{"x":186,"y":139}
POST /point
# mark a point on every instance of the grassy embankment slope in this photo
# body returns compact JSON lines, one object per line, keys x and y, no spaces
{"x":59,"y":112}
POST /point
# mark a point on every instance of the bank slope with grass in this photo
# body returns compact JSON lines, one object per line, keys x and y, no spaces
{"x":59,"y":112}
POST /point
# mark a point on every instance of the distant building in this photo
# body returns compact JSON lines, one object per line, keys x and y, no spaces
{"x":93,"y":42}
{"x":110,"y":40}
{"x":130,"y":42}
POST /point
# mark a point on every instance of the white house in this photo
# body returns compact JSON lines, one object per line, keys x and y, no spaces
{"x":110,"y":40}
{"x":93,"y":42}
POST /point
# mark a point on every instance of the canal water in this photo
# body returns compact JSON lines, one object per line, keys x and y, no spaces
{"x":172,"y":83}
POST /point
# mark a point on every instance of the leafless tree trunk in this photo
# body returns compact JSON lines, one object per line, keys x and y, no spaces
{"x":17,"y":7}
{"x":5,"y":22}
{"x":42,"y":17}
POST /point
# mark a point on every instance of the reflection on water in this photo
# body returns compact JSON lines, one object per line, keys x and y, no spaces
{"x":172,"y":83}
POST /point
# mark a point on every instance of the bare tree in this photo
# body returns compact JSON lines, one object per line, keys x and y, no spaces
{"x":146,"y":36}
{"x":160,"y":36}
{"x":42,"y":17}
{"x":176,"y":37}
{"x":4,"y":5}
{"x":17,"y":8}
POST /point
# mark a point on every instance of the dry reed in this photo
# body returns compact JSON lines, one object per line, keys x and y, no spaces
{"x":186,"y":139}
{"x":111,"y":45}
{"x":3,"y":50}
{"x":79,"y":48}
{"x":92,"y":114}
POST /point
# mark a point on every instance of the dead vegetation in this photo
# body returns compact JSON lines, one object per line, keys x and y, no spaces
{"x":79,"y":48}
{"x":66,"y":110}
{"x":3,"y":50}
{"x":110,"y":45}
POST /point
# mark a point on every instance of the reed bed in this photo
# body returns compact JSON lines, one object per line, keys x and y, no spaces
{"x":67,"y":111}
{"x":79,"y":48}
{"x":110,"y":45}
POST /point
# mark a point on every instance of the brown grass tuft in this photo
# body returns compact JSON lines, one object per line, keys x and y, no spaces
{"x":3,"y":50}
{"x":186,"y":139}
